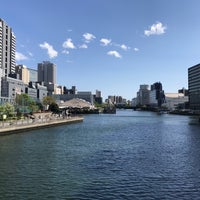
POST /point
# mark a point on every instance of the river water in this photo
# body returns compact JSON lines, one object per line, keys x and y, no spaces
{"x":130,"y":155}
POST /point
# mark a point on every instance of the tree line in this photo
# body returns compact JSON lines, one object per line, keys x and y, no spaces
{"x":24,"y":104}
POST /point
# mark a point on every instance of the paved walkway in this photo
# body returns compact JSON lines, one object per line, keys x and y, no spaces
{"x":19,"y":126}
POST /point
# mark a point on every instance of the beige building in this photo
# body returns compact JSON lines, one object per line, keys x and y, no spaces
{"x":58,"y":90}
{"x":23,"y":73}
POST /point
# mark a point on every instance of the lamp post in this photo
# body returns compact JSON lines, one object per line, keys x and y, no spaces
{"x":4,"y":117}
{"x":1,"y":114}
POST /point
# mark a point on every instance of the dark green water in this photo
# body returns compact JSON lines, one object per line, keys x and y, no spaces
{"x":130,"y":155}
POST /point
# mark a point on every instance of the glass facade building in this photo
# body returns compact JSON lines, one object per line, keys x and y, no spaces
{"x":194,"y":87}
{"x":47,"y":72}
{"x":33,"y":75}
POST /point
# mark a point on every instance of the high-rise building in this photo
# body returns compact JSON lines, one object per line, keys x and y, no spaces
{"x":194,"y":87}
{"x":7,"y":49}
{"x":47,"y":73}
{"x":143,"y":95}
{"x":33,"y":75}
{"x":112,"y":99}
{"x":23,"y":73}
{"x":98,"y":93}
{"x":157,"y":96}
{"x":183,"y":91}
{"x":97,"y":97}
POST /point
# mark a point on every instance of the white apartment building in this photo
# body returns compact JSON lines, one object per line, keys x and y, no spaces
{"x":172,"y":100}
{"x":7,"y":49}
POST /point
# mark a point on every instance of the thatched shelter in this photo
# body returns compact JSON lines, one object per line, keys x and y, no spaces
{"x":76,"y":103}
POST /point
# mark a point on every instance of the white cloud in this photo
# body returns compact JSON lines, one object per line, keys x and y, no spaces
{"x":50,"y":50}
{"x":105,"y":41}
{"x":20,"y":56}
{"x":30,"y":54}
{"x":83,"y":46}
{"x":68,"y":44}
{"x":124,"y":47}
{"x":88,"y":37}
{"x":136,"y":49}
{"x":65,"y":52}
{"x":114,"y":53}
{"x":156,"y":29}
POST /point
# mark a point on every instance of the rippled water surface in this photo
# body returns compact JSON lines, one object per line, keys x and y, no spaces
{"x":130,"y":155}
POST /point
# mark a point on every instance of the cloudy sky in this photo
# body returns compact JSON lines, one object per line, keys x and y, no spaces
{"x":109,"y":45}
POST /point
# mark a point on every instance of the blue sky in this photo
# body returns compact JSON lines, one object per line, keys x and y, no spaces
{"x":109,"y":45}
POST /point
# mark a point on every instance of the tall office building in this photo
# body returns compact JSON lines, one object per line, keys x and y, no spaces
{"x":98,"y":97}
{"x":143,"y":95}
{"x":98,"y":93}
{"x":23,"y":73}
{"x":157,"y":96}
{"x":7,"y":49}
{"x":33,"y":75}
{"x":194,"y":87}
{"x":47,"y":72}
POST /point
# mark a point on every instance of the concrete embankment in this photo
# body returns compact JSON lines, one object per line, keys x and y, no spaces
{"x":38,"y":125}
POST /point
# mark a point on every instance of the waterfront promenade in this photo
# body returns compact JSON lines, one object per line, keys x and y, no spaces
{"x":40,"y":121}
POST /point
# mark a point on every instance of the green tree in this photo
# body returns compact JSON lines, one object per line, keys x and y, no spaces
{"x":33,"y":106}
{"x":2,"y":110}
{"x":48,"y":100}
{"x":7,"y":109}
{"x":54,"y":108}
{"x":23,"y":99}
{"x":26,"y":104}
{"x":40,"y":106}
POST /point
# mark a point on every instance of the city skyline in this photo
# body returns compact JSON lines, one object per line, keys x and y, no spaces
{"x":106,"y":45}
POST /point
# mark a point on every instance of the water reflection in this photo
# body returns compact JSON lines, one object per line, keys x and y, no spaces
{"x":130,"y":155}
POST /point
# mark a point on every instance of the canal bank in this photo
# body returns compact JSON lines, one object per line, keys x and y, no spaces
{"x":8,"y":130}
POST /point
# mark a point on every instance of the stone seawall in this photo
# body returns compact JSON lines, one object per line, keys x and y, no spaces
{"x":34,"y":126}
